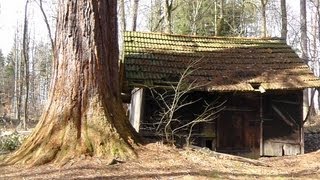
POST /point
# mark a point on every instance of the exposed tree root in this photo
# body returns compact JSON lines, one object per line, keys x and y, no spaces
{"x":84,"y":116}
{"x":59,"y":138}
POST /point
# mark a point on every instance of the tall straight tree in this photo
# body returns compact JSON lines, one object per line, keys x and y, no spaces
{"x":167,"y":17}
{"x":25,"y":55}
{"x":284,"y":20}
{"x":84,"y":114}
{"x":2,"y":64}
{"x":196,"y":7}
{"x":316,"y":4}
{"x":134,"y":12}
{"x":264,"y":17}
{"x":2,"y":80}
{"x":303,"y":30}
{"x":122,"y":16}
{"x":220,"y":22}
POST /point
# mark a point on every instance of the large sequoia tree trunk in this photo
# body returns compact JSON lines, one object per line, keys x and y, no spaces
{"x":84,"y":115}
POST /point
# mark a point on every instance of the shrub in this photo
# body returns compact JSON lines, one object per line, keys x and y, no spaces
{"x":11,"y":142}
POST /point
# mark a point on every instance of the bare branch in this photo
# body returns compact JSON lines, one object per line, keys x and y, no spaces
{"x":46,"y":21}
{"x":175,"y":98}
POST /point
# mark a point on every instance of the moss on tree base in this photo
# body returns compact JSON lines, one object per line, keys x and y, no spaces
{"x":58,"y":138}
{"x":84,"y":115}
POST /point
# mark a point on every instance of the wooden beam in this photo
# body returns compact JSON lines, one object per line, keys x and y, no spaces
{"x":238,"y":109}
{"x":286,"y":102}
{"x":283,"y":117}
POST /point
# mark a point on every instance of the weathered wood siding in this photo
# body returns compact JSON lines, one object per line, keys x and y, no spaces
{"x":238,"y":126}
{"x":282,"y":127}
{"x":252,"y":124}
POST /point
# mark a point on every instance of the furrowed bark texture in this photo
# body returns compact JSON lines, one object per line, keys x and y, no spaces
{"x":84,"y":115}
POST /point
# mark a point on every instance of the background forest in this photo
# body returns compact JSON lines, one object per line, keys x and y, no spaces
{"x":25,"y":70}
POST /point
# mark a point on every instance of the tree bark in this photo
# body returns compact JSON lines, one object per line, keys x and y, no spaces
{"x":123,"y":16}
{"x":264,"y":17}
{"x":303,"y":29}
{"x":25,"y":55}
{"x":84,"y":114}
{"x":122,"y":31}
{"x":134,"y":12}
{"x":196,"y":6}
{"x":168,"y":8}
{"x":19,"y":59}
{"x":221,"y":19}
{"x":215,"y":18}
{"x":317,"y":7}
{"x":284,"y":29}
{"x":16,"y":79}
{"x":220,"y":22}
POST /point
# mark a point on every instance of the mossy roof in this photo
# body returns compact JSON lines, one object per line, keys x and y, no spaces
{"x":223,"y":63}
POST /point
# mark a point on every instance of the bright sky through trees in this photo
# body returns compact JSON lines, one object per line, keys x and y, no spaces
{"x":11,"y":16}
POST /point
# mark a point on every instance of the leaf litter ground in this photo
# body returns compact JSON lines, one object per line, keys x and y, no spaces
{"x":158,"y":161}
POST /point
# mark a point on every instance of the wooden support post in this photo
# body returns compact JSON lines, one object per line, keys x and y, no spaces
{"x":217,"y":133}
{"x":136,"y":108}
{"x":261,"y":125}
{"x":301,"y":124}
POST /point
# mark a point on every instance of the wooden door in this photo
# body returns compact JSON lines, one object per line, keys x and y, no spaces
{"x":231,"y":135}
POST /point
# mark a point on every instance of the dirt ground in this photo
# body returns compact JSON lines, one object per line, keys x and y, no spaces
{"x":157,"y":161}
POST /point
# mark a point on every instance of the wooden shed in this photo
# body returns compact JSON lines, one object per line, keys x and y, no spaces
{"x":262,"y":81}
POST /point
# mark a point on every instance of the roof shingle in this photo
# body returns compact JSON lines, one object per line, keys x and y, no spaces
{"x":225,"y":63}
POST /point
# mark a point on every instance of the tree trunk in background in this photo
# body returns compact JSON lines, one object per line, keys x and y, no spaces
{"x":25,"y":54}
{"x":84,"y":114}
{"x":134,"y":12}
{"x":314,"y":56}
{"x":2,"y":84}
{"x":167,"y":17}
{"x":33,"y":105}
{"x":46,"y":21}
{"x":264,"y":18}
{"x":220,"y":22}
{"x":317,"y":5}
{"x":196,"y":6}
{"x":307,"y":96}
{"x":156,"y":16}
{"x":2,"y":75}
{"x":284,"y":20}
{"x":121,"y":39}
{"x":215,"y":18}
{"x":303,"y":29}
{"x":16,"y":78}
{"x":20,"y":82}
{"x":123,"y":16}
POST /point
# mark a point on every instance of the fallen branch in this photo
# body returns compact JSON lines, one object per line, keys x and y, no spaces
{"x":218,"y":155}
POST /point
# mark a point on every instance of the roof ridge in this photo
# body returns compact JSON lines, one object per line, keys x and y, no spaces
{"x":128,"y":33}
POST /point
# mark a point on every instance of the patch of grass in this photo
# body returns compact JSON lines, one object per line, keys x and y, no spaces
{"x":11,"y":142}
